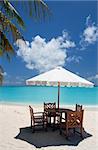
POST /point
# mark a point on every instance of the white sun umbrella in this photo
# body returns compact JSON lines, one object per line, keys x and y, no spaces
{"x":59,"y":77}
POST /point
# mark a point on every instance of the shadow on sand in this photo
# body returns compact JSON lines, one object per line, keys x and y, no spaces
{"x":50,"y":138}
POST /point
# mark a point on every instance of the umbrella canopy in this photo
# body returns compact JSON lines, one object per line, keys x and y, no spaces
{"x":59,"y":77}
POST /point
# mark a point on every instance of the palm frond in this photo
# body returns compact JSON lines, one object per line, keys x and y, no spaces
{"x":8,"y":26}
{"x":11,"y":12}
{"x":37,"y":9}
{"x":5,"y":46}
{"x":1,"y":75}
{"x":41,"y":9}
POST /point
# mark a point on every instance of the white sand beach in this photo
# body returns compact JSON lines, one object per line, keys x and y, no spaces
{"x":15,"y":133}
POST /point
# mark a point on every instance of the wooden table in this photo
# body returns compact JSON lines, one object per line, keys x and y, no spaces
{"x":52,"y":113}
{"x":58,"y":113}
{"x":62,"y":111}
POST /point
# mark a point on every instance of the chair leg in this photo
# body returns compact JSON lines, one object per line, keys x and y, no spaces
{"x":31,"y":122}
{"x":54,"y":123}
{"x":46,"y":122}
{"x":60,"y":131}
{"x":46,"y":127}
{"x":66,"y":133}
{"x":33,"y":129}
{"x":81,"y":131}
{"x":43,"y":125}
{"x":50,"y":121}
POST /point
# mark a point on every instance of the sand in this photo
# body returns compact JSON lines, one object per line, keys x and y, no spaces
{"x":15,"y":132}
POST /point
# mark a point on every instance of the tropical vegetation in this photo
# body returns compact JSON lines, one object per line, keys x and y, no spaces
{"x":11,"y":22}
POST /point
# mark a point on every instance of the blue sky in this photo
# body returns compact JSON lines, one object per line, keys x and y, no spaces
{"x":69,"y":39}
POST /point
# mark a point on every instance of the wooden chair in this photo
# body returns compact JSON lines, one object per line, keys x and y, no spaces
{"x":74,"y":120}
{"x":50,"y":111}
{"x":78,"y":107}
{"x":38,"y":119}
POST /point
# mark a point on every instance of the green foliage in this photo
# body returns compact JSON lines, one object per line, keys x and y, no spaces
{"x":8,"y":14}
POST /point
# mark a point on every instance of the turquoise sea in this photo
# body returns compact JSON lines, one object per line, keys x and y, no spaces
{"x":39,"y":94}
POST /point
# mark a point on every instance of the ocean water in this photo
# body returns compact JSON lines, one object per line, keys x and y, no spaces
{"x":39,"y":94}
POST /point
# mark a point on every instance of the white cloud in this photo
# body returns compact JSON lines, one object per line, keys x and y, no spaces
{"x":11,"y":82}
{"x":77,"y":73}
{"x":17,"y":80}
{"x":44,"y":55}
{"x":3,"y":73}
{"x":75,"y":59}
{"x":90,"y":34}
{"x":93,"y":77}
{"x":88,"y":20}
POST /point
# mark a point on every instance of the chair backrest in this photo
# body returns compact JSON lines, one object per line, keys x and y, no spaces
{"x":74,"y":119}
{"x":48,"y":106}
{"x":31,"y":112}
{"x":78,"y":107}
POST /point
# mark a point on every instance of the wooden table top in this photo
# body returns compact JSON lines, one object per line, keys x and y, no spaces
{"x":61,"y":110}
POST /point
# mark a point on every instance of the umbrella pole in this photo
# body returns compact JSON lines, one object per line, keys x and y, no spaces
{"x":58,"y":94}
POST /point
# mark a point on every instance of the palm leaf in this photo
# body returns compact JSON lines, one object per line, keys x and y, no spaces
{"x":36,"y":9}
{"x":1,"y":74}
{"x":11,"y":12}
{"x":7,"y":26}
{"x":5,"y":46}
{"x":41,"y":9}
